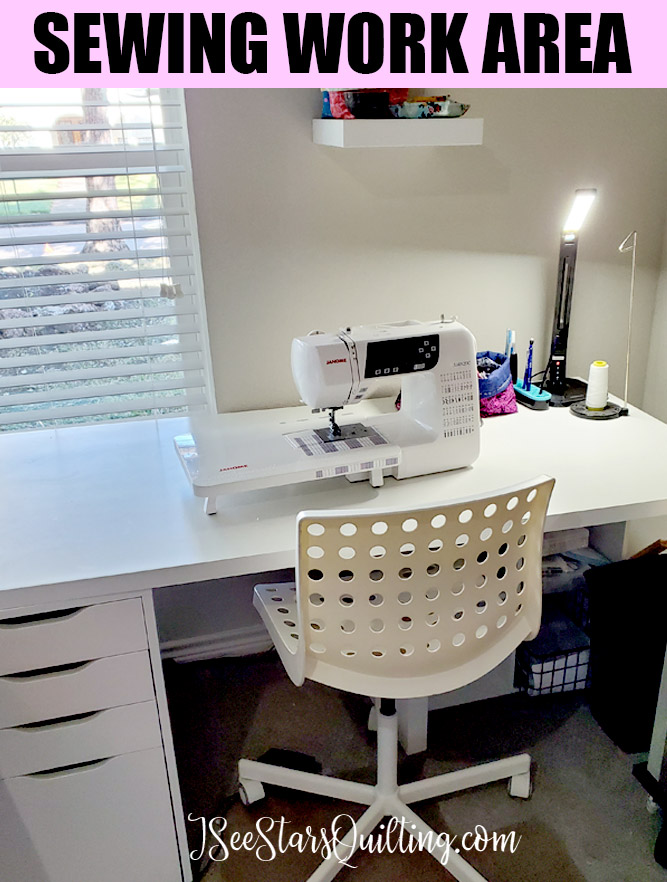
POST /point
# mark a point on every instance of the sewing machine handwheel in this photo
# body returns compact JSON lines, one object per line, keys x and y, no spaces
{"x":250,"y":791}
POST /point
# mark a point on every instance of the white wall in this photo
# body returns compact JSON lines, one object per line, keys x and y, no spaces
{"x":642,"y":533}
{"x":213,"y":618}
{"x":296,"y":236}
{"x":655,"y":392}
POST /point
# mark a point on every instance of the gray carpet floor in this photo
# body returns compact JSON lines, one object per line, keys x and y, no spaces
{"x":585,"y":822}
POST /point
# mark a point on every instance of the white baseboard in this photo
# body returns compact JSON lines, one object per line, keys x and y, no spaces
{"x":237,"y":642}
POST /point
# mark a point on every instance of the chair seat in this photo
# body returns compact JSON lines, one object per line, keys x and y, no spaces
{"x":407,"y":604}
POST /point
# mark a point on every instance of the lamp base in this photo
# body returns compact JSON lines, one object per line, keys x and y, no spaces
{"x":575,"y":390}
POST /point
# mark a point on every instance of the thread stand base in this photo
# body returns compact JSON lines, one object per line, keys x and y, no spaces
{"x":610,"y":412}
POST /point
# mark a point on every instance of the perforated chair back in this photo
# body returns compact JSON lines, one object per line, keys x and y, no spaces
{"x":412,"y":603}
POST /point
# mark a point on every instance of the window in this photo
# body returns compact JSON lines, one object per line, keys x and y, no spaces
{"x":101,"y":302}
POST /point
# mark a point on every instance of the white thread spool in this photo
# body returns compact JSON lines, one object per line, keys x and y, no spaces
{"x":598,"y":385}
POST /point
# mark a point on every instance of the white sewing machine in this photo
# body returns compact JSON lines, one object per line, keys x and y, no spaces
{"x":436,"y":427}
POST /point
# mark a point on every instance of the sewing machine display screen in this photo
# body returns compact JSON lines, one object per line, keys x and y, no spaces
{"x":387,"y":357}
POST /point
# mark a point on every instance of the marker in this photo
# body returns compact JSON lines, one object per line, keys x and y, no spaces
{"x":528,"y":376}
{"x":511,"y":353}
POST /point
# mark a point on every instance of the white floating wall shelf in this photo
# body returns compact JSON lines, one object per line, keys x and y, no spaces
{"x":460,"y":132}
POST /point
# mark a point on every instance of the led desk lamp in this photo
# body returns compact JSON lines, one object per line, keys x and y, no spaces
{"x":565,"y":391}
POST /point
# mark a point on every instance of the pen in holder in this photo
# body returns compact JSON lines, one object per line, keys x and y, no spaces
{"x":510,"y":341}
{"x":528,"y":375}
{"x":526,"y":393}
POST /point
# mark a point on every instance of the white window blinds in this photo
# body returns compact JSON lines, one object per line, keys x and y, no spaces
{"x":101,"y":307}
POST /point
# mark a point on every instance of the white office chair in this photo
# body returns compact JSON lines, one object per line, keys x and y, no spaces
{"x":403,"y":605}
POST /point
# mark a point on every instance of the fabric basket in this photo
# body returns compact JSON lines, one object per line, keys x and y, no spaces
{"x":496,"y":392}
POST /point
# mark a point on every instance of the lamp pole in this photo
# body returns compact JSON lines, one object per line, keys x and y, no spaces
{"x":564,"y":391}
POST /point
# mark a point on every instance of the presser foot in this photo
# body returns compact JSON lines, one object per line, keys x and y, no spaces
{"x":354,"y":430}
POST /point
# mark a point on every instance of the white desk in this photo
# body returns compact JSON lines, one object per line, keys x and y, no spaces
{"x":103,"y":514}
{"x":106,"y":508}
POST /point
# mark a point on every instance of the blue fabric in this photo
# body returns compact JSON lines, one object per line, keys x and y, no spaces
{"x":497,"y":381}
{"x":326,"y":106}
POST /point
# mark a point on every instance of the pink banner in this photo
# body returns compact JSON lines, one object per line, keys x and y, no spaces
{"x":263,"y":44}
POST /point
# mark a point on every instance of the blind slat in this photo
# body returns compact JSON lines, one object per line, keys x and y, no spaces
{"x":145,"y":292}
{"x":92,"y":194}
{"x":52,"y":357}
{"x":95,"y":257}
{"x":101,"y":315}
{"x":91,"y":149}
{"x":84,"y":279}
{"x":92,"y":127}
{"x":145,"y":102}
{"x":59,"y":238}
{"x":121,"y":169}
{"x":184,"y":365}
{"x":161,"y":330}
{"x":107,"y":391}
{"x":60,"y":217}
{"x":189,"y":399}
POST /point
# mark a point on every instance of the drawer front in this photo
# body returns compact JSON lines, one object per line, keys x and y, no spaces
{"x":62,"y":637}
{"x":95,"y":736}
{"x":109,"y":821}
{"x":96,"y":685}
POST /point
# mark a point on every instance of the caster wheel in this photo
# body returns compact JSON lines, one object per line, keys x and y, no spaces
{"x":651,"y":805}
{"x":520,"y":786}
{"x":250,"y":791}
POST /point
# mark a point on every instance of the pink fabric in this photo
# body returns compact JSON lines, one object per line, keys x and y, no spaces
{"x":499,"y":404}
{"x":338,"y":106}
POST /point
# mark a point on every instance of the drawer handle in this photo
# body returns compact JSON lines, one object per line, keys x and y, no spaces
{"x":54,"y":723}
{"x":61,"y":771}
{"x":54,"y":615}
{"x":54,"y":671}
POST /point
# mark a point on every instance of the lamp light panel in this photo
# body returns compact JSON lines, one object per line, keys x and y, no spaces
{"x":583,"y":199}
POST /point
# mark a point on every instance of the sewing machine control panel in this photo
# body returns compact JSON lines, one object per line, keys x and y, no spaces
{"x":387,"y":357}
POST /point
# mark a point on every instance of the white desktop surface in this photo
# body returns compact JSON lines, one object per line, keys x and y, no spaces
{"x":86,"y":511}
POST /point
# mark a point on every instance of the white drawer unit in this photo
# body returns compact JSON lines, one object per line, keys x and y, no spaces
{"x":60,"y":637}
{"x":109,"y":821}
{"x":81,"y":739}
{"x":90,"y":686}
{"x":88,"y":786}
